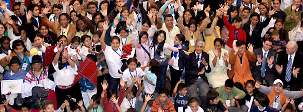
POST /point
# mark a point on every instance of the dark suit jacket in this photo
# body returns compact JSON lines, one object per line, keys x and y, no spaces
{"x":295,"y":83}
{"x":192,"y":69}
{"x":255,"y":39}
{"x":256,"y":69}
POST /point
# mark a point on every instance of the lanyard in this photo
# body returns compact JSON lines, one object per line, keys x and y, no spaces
{"x":131,"y":73}
{"x":117,"y":52}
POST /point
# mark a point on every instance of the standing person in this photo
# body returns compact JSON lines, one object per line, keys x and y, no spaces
{"x":196,"y":67}
{"x":112,"y":55}
{"x":228,"y":93}
{"x":143,"y":51}
{"x":219,"y":64}
{"x":240,"y":60}
{"x":65,"y":68}
{"x":177,"y":61}
{"x":289,"y":66}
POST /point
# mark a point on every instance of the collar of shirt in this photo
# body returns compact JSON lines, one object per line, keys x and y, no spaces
{"x":292,"y":56}
{"x":265,"y":52}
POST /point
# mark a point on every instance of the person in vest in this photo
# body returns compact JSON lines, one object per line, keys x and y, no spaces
{"x":277,"y":94}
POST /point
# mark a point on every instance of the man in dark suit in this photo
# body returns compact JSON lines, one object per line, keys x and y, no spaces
{"x":289,"y":67}
{"x":263,"y":71}
{"x":196,"y":67}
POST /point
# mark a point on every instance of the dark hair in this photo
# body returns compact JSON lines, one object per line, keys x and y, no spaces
{"x":32,"y":7}
{"x":97,"y":14}
{"x":61,"y":36}
{"x":240,"y":43}
{"x":180,"y":37}
{"x":154,"y":67}
{"x":168,"y":15}
{"x":218,"y":40}
{"x":92,"y":3}
{"x":163,"y":91}
{"x":58,"y":6}
{"x":95,"y":98}
{"x":4,"y":38}
{"x":130,"y":60}
{"x":181,"y":86}
{"x":159,"y":49}
{"x":141,"y":34}
{"x":212,"y":94}
{"x":277,"y":0}
{"x":229,"y":83}
{"x":251,"y":82}
{"x":253,"y":15}
{"x":280,"y":20}
{"x":16,"y":4}
{"x":66,"y":15}
{"x":192,"y":100}
{"x":36,"y":59}
{"x":115,"y":38}
{"x":19,"y":43}
{"x":232,"y":9}
{"x":39,"y":35}
{"x":238,"y":19}
{"x":85,"y":37}
{"x":262,"y":99}
{"x":76,"y":39}
{"x":92,"y":57}
{"x":14,"y":60}
{"x":147,"y":21}
{"x":48,"y":102}
{"x":267,"y":39}
{"x":246,"y":8}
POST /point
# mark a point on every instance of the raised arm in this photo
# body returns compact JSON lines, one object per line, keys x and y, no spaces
{"x":102,"y":39}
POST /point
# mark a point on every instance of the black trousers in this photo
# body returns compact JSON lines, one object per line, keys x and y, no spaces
{"x":175,"y":77}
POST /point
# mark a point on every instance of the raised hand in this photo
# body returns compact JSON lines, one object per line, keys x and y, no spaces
{"x":105,"y":25}
{"x":122,"y":83}
{"x":225,"y":57}
{"x":271,"y":60}
{"x":104,"y":84}
{"x":295,"y":72}
{"x":279,"y":68}
{"x":80,"y":103}
{"x":257,"y":85}
{"x":259,"y":58}
{"x":148,"y":97}
{"x":3,"y":5}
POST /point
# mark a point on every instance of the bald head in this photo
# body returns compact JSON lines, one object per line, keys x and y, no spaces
{"x":291,"y":47}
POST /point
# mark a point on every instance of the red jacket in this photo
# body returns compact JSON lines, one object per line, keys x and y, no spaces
{"x":232,"y":29}
{"x":108,"y":105}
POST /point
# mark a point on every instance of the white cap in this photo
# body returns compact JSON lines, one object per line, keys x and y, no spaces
{"x":278,"y":81}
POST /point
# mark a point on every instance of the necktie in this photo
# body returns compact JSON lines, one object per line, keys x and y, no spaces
{"x":199,"y":59}
{"x":263,"y":66}
{"x":288,"y":69}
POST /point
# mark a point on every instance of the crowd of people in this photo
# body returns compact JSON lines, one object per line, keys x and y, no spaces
{"x":151,"y":55}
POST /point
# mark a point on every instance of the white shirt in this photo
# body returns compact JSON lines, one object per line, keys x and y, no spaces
{"x":188,"y":109}
{"x":292,"y":57}
{"x":150,"y":77}
{"x":67,"y":73}
{"x":113,"y":61}
{"x":128,"y":75}
{"x":126,"y":104}
{"x":170,"y":36}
